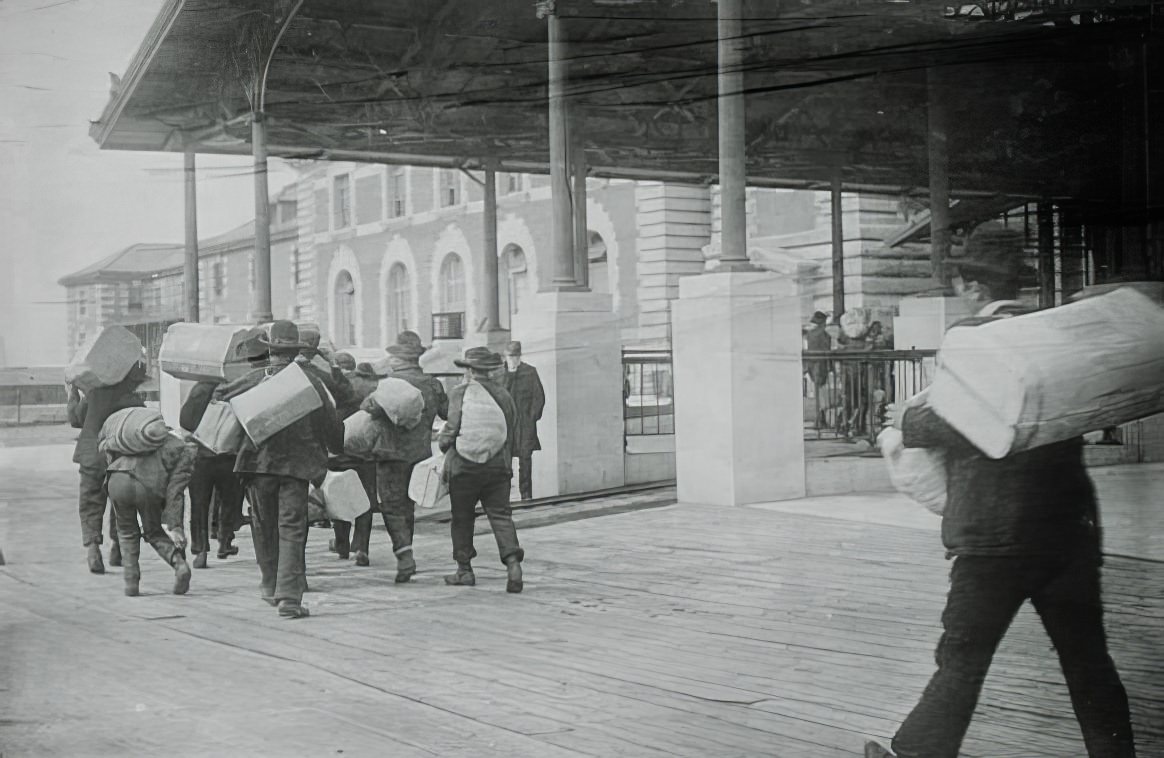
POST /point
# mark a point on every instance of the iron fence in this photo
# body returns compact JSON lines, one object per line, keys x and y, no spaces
{"x":845,"y":393}
{"x":648,"y":393}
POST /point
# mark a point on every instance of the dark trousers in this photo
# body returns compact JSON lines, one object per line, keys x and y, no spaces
{"x":491,"y":489}
{"x":525,"y":476}
{"x":279,"y":529}
{"x":985,"y":594}
{"x":345,"y":541}
{"x":91,"y":505}
{"x":211,"y":474}
{"x":396,"y":507}
{"x":133,"y":501}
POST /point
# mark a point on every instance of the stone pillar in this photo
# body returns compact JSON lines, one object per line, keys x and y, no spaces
{"x":674,"y":227}
{"x":190,"y":261}
{"x":262,"y":305}
{"x":572,"y":339}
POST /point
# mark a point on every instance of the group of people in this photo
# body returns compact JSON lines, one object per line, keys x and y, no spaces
{"x":147,"y":491}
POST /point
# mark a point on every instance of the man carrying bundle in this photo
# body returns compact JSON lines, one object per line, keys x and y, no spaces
{"x":404,"y":448}
{"x":148,"y":470}
{"x":276,"y":474}
{"x":363,"y":381}
{"x":478,"y":439}
{"x":1021,"y":527}
{"x":88,"y":414}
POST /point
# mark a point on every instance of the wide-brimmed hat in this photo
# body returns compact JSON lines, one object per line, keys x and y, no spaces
{"x":513,"y":348}
{"x":282,"y":335}
{"x":345,"y":361}
{"x":481,"y":359}
{"x":408,"y":346}
{"x":818,"y":318}
{"x":991,"y":249}
{"x":368,"y":371}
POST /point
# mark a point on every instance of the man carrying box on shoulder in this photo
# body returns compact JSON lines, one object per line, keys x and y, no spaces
{"x":1022,"y":527}
{"x":276,"y":474}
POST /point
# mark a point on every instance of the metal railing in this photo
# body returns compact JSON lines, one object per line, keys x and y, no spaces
{"x":448,"y":326}
{"x":845,"y":392}
{"x":648,"y":394}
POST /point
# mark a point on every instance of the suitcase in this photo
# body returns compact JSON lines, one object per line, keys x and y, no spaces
{"x":105,"y":359}
{"x":344,"y":496}
{"x":207,"y":352}
{"x":275,"y":403}
{"x":219,"y":431}
{"x":1023,"y":382}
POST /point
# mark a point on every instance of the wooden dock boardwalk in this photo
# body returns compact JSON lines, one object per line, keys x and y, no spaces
{"x":794,"y":630}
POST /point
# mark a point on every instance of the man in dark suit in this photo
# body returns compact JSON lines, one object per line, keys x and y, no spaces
{"x":525,"y":387}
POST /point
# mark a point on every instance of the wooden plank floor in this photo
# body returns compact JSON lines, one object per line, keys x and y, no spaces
{"x":676,"y":631}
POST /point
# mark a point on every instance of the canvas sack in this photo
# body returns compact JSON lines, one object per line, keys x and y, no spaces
{"x":276,"y":403}
{"x":1022,"y":382}
{"x":207,"y":352}
{"x":361,"y":435}
{"x":483,"y":431}
{"x":401,"y":401}
{"x":427,"y":487}
{"x":105,"y":359}
{"x":344,"y":497}
{"x":219,"y":430}
{"x":918,"y":473}
{"x":124,"y":432}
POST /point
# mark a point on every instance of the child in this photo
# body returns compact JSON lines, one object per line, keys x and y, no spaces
{"x":149,"y":485}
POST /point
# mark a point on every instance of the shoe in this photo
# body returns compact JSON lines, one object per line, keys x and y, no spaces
{"x":290,"y":610}
{"x":96,"y":564}
{"x":270,"y":600}
{"x":181,"y":575}
{"x":226,"y":549}
{"x":406,"y":567}
{"x":115,"y":555}
{"x":873,"y":750}
{"x":462,"y":578}
{"x":514,"y":582}
{"x":131,"y":588}
{"x":362,"y":558}
{"x":200,"y":560}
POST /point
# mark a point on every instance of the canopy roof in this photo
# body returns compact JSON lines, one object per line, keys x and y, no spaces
{"x":1037,"y":90}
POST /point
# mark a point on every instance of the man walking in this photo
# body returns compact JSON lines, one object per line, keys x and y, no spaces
{"x":1024,"y":527}
{"x":404,"y":448}
{"x":277,"y":472}
{"x":88,"y":414}
{"x":363,"y":381}
{"x":478,"y":439}
{"x":525,"y":387}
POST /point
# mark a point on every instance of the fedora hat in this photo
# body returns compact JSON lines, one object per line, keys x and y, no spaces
{"x":368,"y":371}
{"x":480,"y":358}
{"x":818,"y":318}
{"x":408,"y":345}
{"x":282,"y":335}
{"x":992,"y":249}
{"x":513,"y":348}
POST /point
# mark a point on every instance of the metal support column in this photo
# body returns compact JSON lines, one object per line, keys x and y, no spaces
{"x":837,"y":207}
{"x":581,"y":232}
{"x":262,"y":304}
{"x":732,"y":138}
{"x":562,"y":212}
{"x":190,"y":262}
{"x":490,"y":295}
{"x":1072,"y":253}
{"x":939,"y":170}
{"x":1045,"y":216}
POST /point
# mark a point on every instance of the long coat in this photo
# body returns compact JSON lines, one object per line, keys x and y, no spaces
{"x":525,"y":387}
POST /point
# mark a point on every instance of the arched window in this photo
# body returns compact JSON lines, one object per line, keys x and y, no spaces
{"x":512,"y":285}
{"x":345,"y":310}
{"x":452,"y":284}
{"x":599,"y":277}
{"x":398,"y":303}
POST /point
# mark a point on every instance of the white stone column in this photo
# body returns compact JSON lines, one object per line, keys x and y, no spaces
{"x":572,"y":339}
{"x":739,"y":431}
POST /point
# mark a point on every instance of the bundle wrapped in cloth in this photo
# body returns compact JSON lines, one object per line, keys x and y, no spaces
{"x":1023,"y":382}
{"x":428,"y":487}
{"x":275,"y":403}
{"x":105,"y":359}
{"x":343,"y":496}
{"x":483,"y":429}
{"x":362,"y":434}
{"x":918,"y":473}
{"x":219,"y":430}
{"x":208,"y":352}
{"x":133,"y":431}
{"x":402,"y":402}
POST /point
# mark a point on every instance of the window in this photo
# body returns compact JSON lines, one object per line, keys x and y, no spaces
{"x":399,"y":300}
{"x":218,"y":277}
{"x":452,"y":292}
{"x":345,"y":310}
{"x":450,"y":187}
{"x":513,"y":268}
{"x":396,"y":190}
{"x":513,"y":183}
{"x":136,"y":300}
{"x":648,"y":393}
{"x":82,"y":302}
{"x":342,"y":201}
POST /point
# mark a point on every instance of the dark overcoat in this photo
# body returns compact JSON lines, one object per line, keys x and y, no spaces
{"x":525,"y":387}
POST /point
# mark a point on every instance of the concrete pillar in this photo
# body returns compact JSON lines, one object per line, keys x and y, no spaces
{"x":572,"y":339}
{"x":262,"y":305}
{"x":838,"y":239}
{"x":732,"y":138}
{"x":939,"y":170}
{"x":190,"y":261}
{"x":562,"y":250}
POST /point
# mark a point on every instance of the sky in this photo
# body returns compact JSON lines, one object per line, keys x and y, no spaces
{"x":63,"y":202}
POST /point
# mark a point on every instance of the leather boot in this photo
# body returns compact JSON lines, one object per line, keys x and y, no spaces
{"x":362,"y":560}
{"x":96,"y":564}
{"x":513,"y":570}
{"x":406,"y":566}
{"x":464,"y":576}
{"x":289,"y":609}
{"x":115,"y":553}
{"x":199,"y":560}
{"x":130,"y":554}
{"x":227,"y":548}
{"x":181,"y":574}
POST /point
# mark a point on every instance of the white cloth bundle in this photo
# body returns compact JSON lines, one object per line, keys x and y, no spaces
{"x":402,"y":401}
{"x":483,"y":430}
{"x":427,"y":487}
{"x":344,"y":496}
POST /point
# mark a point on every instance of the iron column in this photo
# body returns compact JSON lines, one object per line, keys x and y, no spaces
{"x":939,"y":163}
{"x":262,"y":305}
{"x":490,"y":301}
{"x":837,"y":207}
{"x":732,"y":150}
{"x":190,"y":262}
{"x":581,"y":232}
{"x":563,"y":217}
